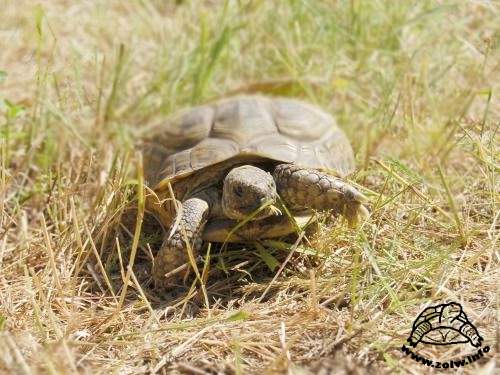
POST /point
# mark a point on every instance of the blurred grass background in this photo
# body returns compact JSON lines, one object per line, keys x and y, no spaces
{"x":413,"y":83}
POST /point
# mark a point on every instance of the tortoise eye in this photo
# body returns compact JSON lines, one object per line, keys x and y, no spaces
{"x":238,"y":190}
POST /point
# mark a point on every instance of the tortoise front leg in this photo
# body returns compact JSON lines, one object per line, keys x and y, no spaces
{"x":186,"y":235}
{"x":309,"y":188}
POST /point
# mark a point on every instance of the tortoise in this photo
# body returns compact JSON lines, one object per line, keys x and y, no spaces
{"x":214,"y":165}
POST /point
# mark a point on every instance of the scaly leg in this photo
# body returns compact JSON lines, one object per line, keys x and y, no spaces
{"x":309,"y":188}
{"x":186,"y":235}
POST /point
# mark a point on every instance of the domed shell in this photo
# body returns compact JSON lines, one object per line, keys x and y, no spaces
{"x":280,"y":129}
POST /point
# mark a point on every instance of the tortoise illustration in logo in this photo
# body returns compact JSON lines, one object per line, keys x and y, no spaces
{"x":444,"y":324}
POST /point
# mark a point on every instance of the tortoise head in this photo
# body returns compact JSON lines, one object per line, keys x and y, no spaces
{"x":249,"y":191}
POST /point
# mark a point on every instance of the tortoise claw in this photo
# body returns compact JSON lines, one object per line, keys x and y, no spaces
{"x":355,"y":213}
{"x":352,"y":194}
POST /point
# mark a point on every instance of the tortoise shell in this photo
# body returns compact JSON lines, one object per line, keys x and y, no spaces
{"x":246,"y":128}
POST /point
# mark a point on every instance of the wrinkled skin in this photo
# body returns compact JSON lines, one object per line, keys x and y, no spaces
{"x":245,"y":189}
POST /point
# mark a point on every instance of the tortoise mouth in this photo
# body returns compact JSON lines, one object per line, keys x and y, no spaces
{"x":252,"y":212}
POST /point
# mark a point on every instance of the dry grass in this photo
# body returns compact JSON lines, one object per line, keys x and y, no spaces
{"x":415,"y":84}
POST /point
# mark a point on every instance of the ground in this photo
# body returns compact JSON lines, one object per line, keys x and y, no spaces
{"x":414,"y":84}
